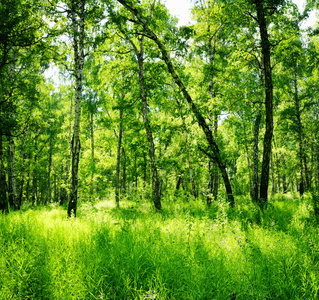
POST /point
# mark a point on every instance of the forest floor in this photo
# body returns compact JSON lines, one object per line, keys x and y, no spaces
{"x":185,"y":252}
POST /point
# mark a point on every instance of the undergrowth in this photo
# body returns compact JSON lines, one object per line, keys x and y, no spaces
{"x":185,"y":252}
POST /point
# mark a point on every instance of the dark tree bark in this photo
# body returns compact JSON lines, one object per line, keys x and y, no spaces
{"x":200,"y":119}
{"x":179,"y":180}
{"x":265,"y":46}
{"x":77,"y":9}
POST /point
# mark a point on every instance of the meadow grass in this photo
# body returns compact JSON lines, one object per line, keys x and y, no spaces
{"x":185,"y":252}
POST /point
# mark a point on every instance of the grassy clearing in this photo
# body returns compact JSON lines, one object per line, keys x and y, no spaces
{"x":186,"y":252}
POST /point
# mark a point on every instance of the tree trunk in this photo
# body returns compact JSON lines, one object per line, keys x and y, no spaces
{"x":3,"y":193}
{"x":307,"y":172}
{"x":255,"y":156}
{"x":215,"y":171}
{"x":248,"y":159}
{"x":274,"y":185}
{"x":300,"y":137}
{"x":212,"y":167}
{"x":34,"y":177}
{"x":92,"y":155}
{"x":249,"y":168}
{"x":317,"y":156}
{"x":27,"y":188}
{"x":156,"y":192}
{"x":312,"y":161}
{"x":135,"y":170}
{"x":77,"y":8}
{"x":200,"y":119}
{"x":62,"y":190}
{"x":19,"y":200}
{"x":265,"y":46}
{"x":9,"y":187}
{"x":118,"y":161}
{"x":284,"y":181}
{"x":48,"y":196}
{"x":179,"y":180}
{"x":55,"y":196}
{"x":278,"y":172}
{"x":190,"y":164}
{"x":12,"y":178}
{"x":124,"y":172}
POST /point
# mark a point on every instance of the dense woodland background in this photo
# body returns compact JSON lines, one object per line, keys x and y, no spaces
{"x":187,"y":158}
{"x":143,"y":109}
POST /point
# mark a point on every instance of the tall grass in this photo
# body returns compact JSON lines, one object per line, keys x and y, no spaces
{"x":185,"y":252}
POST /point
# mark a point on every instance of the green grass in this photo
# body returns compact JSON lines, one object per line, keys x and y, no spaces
{"x":185,"y":252}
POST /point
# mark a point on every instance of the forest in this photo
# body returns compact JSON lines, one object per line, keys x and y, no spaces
{"x":140,"y":159}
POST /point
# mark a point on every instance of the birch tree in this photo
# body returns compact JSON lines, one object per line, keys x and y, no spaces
{"x":77,"y":12}
{"x":142,"y":21}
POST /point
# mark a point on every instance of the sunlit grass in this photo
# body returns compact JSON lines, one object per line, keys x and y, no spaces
{"x":185,"y":252}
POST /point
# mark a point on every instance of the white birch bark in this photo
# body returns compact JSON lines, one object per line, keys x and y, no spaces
{"x":77,"y":9}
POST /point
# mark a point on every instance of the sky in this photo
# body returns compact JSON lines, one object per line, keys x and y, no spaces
{"x":182,"y":10}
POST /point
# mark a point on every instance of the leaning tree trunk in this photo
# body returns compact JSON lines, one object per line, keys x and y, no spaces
{"x":77,"y":9}
{"x":3,"y":193}
{"x":265,"y":46}
{"x":156,"y":186}
{"x":200,"y":119}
